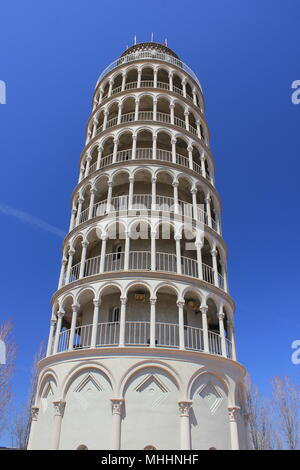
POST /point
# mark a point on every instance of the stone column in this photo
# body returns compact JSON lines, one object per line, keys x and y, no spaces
{"x":233,"y":416}
{"x":153,"y":193}
{"x":172,"y":106}
{"x":187,"y":122}
{"x":99,"y":156}
{"x":57,"y":331}
{"x":92,"y":200}
{"x":115,"y":150}
{"x":95,"y":322}
{"x":123,"y":301}
{"x":152,"y":322}
{"x":155,"y":78}
{"x":171,"y":81}
{"x":34,"y":418}
{"x":214,"y":253}
{"x":117,"y":406}
{"x":134,"y":139}
{"x":109,"y":196}
{"x":208,"y":211}
{"x":80,"y":202}
{"x":204,"y":309}
{"x":130,"y":192}
{"x":185,"y":431}
{"x":88,"y":163}
{"x":136,"y":111}
{"x":75,"y":309}
{"x":105,"y":120}
{"x":194,"y":198}
{"x":175,"y":185}
{"x":154,"y":109}
{"x":154,"y":145}
{"x":111,"y":82}
{"x":153,"y":251}
{"x":127,"y":250}
{"x":178,"y":253}
{"x":232,"y":339}
{"x":199,"y":246}
{"x":59,"y":408}
{"x":50,"y":338}
{"x":123,"y":81}
{"x":95,"y":124}
{"x":72,"y":222}
{"x":183,"y":83}
{"x":180,"y":305}
{"x":62,"y":272}
{"x":103,"y":252}
{"x":119,"y":113}
{"x":190,"y":151}
{"x":173,"y":141}
{"x":70,"y":261}
{"x":221,"y":317}
{"x":139,"y":78}
{"x":203,"y":169}
{"x":195,"y":97}
{"x":84,"y":244}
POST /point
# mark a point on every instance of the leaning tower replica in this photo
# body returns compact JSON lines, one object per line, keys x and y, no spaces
{"x":141,"y":351}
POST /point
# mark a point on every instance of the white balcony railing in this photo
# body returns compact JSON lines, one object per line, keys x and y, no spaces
{"x":141,"y":260}
{"x":137,"y":333}
{"x":147,"y":116}
{"x":151,"y":54}
{"x":147,"y":154}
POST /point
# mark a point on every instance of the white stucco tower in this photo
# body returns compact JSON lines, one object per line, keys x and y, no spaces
{"x":141,"y":350}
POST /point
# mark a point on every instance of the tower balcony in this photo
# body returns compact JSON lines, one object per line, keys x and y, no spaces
{"x":143,"y":261}
{"x":149,"y":52}
{"x":137,"y":333}
{"x":160,"y":155}
{"x":146,"y":203}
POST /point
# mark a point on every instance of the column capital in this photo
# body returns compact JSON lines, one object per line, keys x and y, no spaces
{"x":172,"y":105}
{"x":185,"y":407}
{"x":153,"y":301}
{"x":64,"y":261}
{"x":104,"y":237}
{"x":180,"y":303}
{"x":71,"y":251}
{"x":59,"y":408}
{"x":186,"y":112}
{"x":204,"y":309}
{"x":178,"y":237}
{"x":175,"y":184}
{"x":89,"y":157}
{"x":81,"y":199}
{"x":190,"y":148}
{"x":75,"y":307}
{"x":154,"y":179}
{"x":84,"y":244}
{"x":183,"y":81}
{"x":106,"y":112}
{"x":95,"y":120}
{"x":60,"y":313}
{"x":221,"y":315}
{"x":194,"y":190}
{"x":34,"y":413}
{"x":123,"y":300}
{"x":97,"y":302}
{"x":131,"y":179}
{"x":214,"y":252}
{"x":171,"y":73}
{"x":100,"y":148}
{"x":173,"y":140}
{"x":93,"y":190}
{"x":233,"y":413}
{"x":134,"y":137}
{"x":116,"y":140}
{"x":117,"y":405}
{"x":53,"y":322}
{"x":111,"y":81}
{"x":153,"y":235}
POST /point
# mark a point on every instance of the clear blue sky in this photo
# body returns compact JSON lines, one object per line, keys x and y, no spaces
{"x":246,"y":55}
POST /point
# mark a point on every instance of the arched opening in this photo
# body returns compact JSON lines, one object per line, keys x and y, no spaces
{"x":108,"y":146}
{"x":163,"y":146}
{"x":124,"y":147}
{"x":142,"y":188}
{"x":146,"y":108}
{"x":163,"y":110}
{"x":128,"y":109}
{"x":147,"y":77}
{"x":77,"y":246}
{"x":115,"y":248}
{"x":163,"y":79}
{"x":164,"y":192}
{"x":137,"y":326}
{"x":166,"y":328}
{"x":140,"y":246}
{"x":120,"y":191}
{"x":109,"y":329}
{"x":112,"y":115}
{"x":93,"y":253}
{"x":177,"y":84}
{"x":166,"y":248}
{"x":131,"y":79}
{"x":144,"y":144}
{"x":100,"y":201}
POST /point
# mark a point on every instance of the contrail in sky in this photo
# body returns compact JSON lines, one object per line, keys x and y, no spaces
{"x":31,"y":220}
